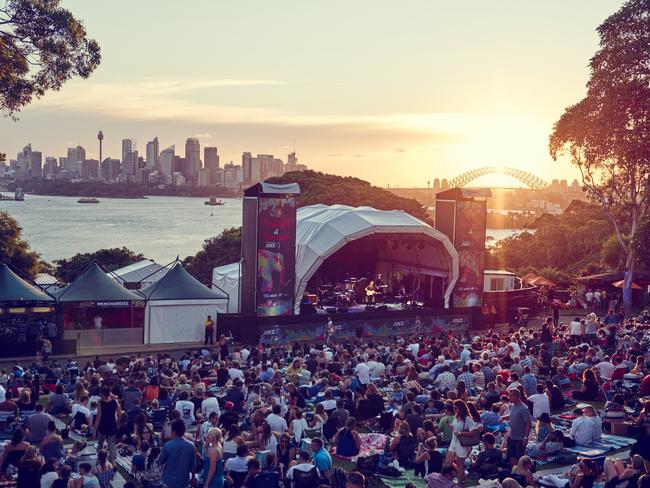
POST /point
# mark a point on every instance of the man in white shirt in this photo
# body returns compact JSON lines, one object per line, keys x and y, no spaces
{"x":239,"y":463}
{"x":377,"y":369}
{"x":465,"y":355}
{"x":304,"y":465}
{"x":605,"y":368}
{"x":245,"y":353}
{"x":363,"y":372}
{"x":581,"y":429}
{"x":540,"y":401}
{"x":3,"y":394}
{"x":276,"y":421}
{"x":514,"y":349}
{"x":235,"y":372}
{"x":185,"y":408}
{"x":595,"y":422}
{"x":209,"y":405}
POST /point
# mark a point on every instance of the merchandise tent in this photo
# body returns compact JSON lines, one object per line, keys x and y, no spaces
{"x":177,"y":307}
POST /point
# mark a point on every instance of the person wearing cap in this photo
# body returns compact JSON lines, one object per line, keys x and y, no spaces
{"x":229,"y":417}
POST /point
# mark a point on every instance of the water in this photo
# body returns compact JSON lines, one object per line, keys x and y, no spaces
{"x":161,"y":228}
{"x":499,"y":234}
{"x":158,"y":227}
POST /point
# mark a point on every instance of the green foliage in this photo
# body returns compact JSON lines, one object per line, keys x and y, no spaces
{"x":568,"y":242}
{"x":606,"y":133}
{"x":112,"y":259}
{"x":317,"y":187}
{"x":41,"y":47}
{"x":13,"y":249}
{"x":217,"y":251}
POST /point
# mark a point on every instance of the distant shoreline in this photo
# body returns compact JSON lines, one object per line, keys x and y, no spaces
{"x":131,"y":191}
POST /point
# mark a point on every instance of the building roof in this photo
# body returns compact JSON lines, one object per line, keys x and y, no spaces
{"x":178,"y":284}
{"x":93,"y":285}
{"x":15,"y":289}
{"x":271,"y":188}
{"x":498,"y":272}
{"x":146,"y":270}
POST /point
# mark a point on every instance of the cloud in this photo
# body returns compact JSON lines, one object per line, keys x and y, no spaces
{"x":204,"y":135}
{"x":335,"y":155}
{"x":400,"y":150}
{"x":358,"y":155}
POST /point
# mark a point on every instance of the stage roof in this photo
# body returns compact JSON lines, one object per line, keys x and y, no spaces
{"x":15,"y":289}
{"x":93,"y":285}
{"x":178,"y":284}
{"x":146,"y":270}
{"x":322,"y":230}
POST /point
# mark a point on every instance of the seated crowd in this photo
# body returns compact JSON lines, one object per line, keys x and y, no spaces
{"x":452,"y":406}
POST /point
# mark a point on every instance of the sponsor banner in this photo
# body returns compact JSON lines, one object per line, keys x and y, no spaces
{"x":469,"y":241}
{"x":276,"y":256}
{"x":348,"y":329}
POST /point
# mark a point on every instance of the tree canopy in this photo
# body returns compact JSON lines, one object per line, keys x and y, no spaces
{"x":41,"y":47}
{"x":607,"y":134}
{"x":317,"y":187}
{"x":575,"y":243}
{"x":112,"y":259}
{"x":217,"y":251}
{"x":15,"y":250}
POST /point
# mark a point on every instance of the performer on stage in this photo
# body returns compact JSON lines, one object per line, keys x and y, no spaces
{"x":371,"y":291}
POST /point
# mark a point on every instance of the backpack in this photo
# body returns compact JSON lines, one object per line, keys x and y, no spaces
{"x":338,"y":478}
{"x":302,"y":479}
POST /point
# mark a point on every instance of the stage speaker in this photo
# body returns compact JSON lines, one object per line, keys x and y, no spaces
{"x":382,"y":307}
{"x":330,"y":310}
{"x":370,"y":307}
{"x":342,"y":310}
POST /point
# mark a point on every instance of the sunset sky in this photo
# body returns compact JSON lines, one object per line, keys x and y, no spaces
{"x":395,"y":92}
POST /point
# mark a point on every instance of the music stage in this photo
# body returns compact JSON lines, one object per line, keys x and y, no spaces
{"x":349,"y":326}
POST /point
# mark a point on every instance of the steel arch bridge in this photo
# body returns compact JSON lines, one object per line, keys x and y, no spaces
{"x":525,"y":177}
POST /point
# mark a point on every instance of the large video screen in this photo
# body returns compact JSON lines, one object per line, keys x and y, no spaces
{"x":276,"y":256}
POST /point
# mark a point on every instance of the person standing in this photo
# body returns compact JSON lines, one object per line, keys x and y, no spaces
{"x":177,"y":457}
{"x":329,"y":330}
{"x":209,"y":331}
{"x":108,"y":413}
{"x":520,"y":424}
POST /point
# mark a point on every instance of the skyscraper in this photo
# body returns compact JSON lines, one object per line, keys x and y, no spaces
{"x":192,"y":159}
{"x":166,"y":161}
{"x":246,"y":163}
{"x":36,"y":164}
{"x":127,"y":147}
{"x":130,"y":165}
{"x":211,"y":162}
{"x":153,"y":157}
{"x":75,"y":156}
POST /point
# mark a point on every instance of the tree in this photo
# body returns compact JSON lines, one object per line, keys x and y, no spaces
{"x":317,"y":187}
{"x":607,"y":134}
{"x":112,"y":259}
{"x":217,"y":251}
{"x":13,"y":249}
{"x":41,"y":47}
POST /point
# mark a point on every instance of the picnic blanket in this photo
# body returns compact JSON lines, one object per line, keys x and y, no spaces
{"x":608,"y":442}
{"x":407,"y":476}
{"x":371,"y":443}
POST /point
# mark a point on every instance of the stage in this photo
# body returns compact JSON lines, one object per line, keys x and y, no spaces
{"x":363,"y":325}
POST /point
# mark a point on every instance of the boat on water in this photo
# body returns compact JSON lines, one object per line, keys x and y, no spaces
{"x":213,"y":201}
{"x":19,"y":196}
{"x":87,"y":200}
{"x":507,"y":294}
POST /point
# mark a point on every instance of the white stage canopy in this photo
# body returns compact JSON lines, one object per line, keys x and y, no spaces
{"x":322,"y":230}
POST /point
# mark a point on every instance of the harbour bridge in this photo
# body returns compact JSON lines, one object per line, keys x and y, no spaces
{"x":525,"y":177}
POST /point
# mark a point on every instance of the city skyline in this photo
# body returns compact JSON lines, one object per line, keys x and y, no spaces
{"x":407,"y":103}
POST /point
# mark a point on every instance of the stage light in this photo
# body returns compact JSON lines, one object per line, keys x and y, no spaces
{"x":17,"y":310}
{"x":41,"y":309}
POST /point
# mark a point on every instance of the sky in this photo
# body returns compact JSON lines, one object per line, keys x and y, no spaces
{"x":394,"y":92}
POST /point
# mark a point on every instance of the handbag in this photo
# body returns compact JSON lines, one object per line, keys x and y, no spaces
{"x":469,"y":440}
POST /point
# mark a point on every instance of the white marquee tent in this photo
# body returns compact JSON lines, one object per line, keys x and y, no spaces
{"x":177,"y":307}
{"x":322,"y":230}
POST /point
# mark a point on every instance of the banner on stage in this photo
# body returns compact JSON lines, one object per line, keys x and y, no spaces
{"x":276,"y":256}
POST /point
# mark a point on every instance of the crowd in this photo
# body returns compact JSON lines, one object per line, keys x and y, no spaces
{"x":480,"y":405}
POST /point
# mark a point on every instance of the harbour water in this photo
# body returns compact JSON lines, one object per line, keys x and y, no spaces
{"x":161,"y":228}
{"x":158,"y":227}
